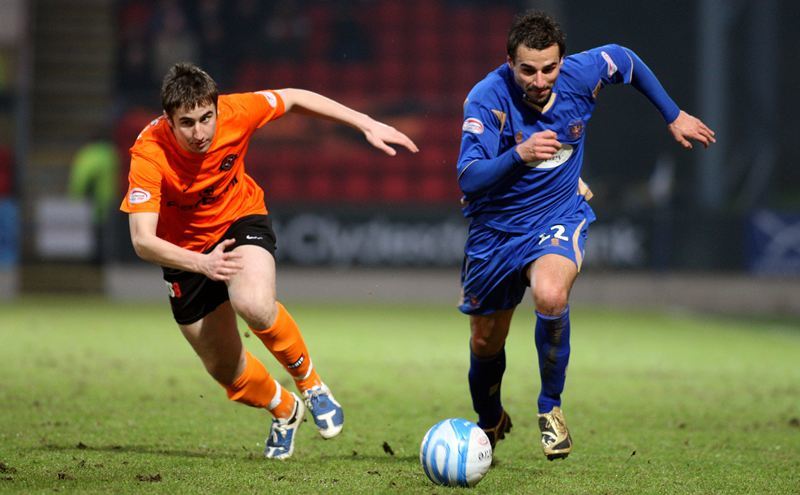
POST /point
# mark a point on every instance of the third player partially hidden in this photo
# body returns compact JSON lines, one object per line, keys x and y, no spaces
{"x":519,"y":169}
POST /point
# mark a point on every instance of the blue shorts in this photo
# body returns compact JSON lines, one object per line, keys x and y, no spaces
{"x":493,"y":275}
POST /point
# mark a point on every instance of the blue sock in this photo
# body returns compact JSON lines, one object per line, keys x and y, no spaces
{"x":485,"y":376}
{"x":552,"y":344}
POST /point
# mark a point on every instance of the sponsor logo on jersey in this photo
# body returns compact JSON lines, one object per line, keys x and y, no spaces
{"x":612,"y":67}
{"x":138,"y":196}
{"x":473,"y":125}
{"x":252,"y":237}
{"x":575,"y":128}
{"x":559,"y":158}
{"x":207,"y":197}
{"x":270,"y":97}
{"x":227,"y":162}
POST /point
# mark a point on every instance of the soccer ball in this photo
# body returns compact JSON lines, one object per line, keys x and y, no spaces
{"x":455,"y":452}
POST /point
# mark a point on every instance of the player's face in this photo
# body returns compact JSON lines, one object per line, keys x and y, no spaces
{"x":194,"y":128}
{"x":536,"y":71}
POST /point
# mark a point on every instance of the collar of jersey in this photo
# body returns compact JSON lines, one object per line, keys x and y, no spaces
{"x":541,"y":109}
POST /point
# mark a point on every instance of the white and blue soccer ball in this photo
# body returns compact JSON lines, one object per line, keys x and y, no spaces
{"x":455,"y":452}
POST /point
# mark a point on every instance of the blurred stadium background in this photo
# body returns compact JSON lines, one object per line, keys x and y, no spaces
{"x":717,"y":229}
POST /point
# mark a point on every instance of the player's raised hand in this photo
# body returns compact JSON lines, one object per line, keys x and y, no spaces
{"x":221,"y":265}
{"x":686,"y":128}
{"x":541,"y":145}
{"x":381,"y":136}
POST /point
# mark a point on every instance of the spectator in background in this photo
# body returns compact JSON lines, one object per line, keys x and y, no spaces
{"x":244,"y":43}
{"x":94,"y":176}
{"x":135,"y":61}
{"x":285,"y":31}
{"x":173,"y":38}
{"x":211,"y":25}
{"x":351,"y":43}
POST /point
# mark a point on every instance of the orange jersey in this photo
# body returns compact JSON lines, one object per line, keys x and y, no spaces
{"x":198,"y":196}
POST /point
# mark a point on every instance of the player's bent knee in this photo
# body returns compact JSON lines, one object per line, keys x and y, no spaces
{"x":258,"y":314}
{"x":552,"y":301}
{"x":225,"y":373}
{"x":483,"y":346}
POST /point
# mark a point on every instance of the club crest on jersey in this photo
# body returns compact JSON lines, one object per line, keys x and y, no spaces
{"x":227,"y":163}
{"x":575,"y":128}
{"x":518,"y":137}
{"x":473,"y":125}
{"x":138,"y":196}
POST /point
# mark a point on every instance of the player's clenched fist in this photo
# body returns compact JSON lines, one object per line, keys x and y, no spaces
{"x":541,"y":145}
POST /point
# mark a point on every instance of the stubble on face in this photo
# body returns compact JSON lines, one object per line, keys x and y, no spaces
{"x":536,"y":71}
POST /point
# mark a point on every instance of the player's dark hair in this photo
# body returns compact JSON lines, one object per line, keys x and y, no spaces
{"x":537,"y":30}
{"x":187,"y":85}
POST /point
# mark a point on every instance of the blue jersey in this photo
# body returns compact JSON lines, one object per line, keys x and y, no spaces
{"x":497,"y":117}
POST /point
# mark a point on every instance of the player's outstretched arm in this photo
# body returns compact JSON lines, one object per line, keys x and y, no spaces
{"x":377,"y":133}
{"x":684,"y":127}
{"x":687,"y":128}
{"x":216,"y":265}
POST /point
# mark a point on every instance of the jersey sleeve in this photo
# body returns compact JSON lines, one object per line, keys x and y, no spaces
{"x":480,"y":133}
{"x":601,"y":66}
{"x":615,"y":64}
{"x":144,"y":186}
{"x":481,"y":164}
{"x":258,"y":108}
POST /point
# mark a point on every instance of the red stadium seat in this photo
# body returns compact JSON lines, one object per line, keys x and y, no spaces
{"x":389,"y":12}
{"x":395,"y":187}
{"x":319,"y":186}
{"x":319,"y":75}
{"x":356,"y":186}
{"x":392,"y":76}
{"x":437,"y":188}
{"x":355,"y":80}
{"x":497,"y":19}
{"x":5,"y":171}
{"x":428,"y":14}
{"x":431,"y":78}
{"x":283,"y":186}
{"x":319,"y":41}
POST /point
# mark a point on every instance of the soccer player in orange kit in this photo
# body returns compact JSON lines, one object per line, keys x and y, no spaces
{"x":195,"y":212}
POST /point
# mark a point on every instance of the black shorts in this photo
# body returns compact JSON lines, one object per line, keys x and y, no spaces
{"x":193,"y":295}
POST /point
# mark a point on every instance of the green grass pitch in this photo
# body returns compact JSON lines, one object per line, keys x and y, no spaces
{"x":102,"y":397}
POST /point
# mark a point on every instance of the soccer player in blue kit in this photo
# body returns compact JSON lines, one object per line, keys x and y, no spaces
{"x":519,"y":169}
